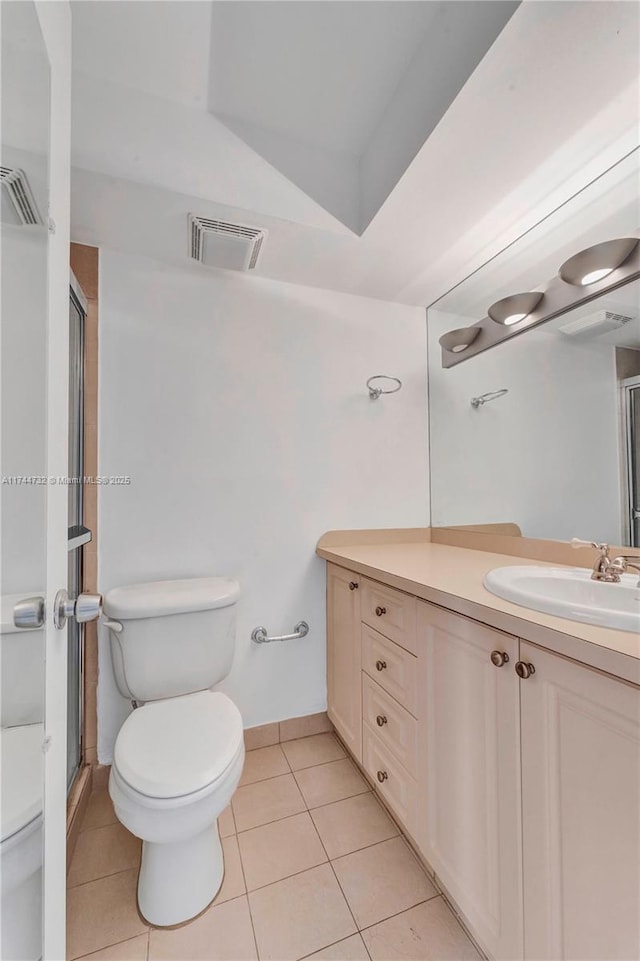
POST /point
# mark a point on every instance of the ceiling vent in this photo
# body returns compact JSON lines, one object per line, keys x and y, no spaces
{"x":600,"y":322}
{"x":21,"y":207}
{"x":218,"y":243}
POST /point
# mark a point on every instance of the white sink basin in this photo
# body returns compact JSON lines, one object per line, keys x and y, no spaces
{"x":569,"y":592}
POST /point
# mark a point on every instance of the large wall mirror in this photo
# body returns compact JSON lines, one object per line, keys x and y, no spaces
{"x":541,"y":430}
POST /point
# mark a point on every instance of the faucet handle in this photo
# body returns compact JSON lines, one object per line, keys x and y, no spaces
{"x":623,"y":561}
{"x":603,"y":548}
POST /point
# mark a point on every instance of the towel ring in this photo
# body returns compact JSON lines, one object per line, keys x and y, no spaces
{"x":375,"y":392}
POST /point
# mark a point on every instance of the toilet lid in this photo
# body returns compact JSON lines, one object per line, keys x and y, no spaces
{"x":22,"y":775}
{"x":180,"y":745}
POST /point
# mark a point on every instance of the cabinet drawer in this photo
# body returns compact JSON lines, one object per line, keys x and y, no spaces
{"x":395,"y":727}
{"x":391,"y":612}
{"x":397,"y":787}
{"x":391,"y":666}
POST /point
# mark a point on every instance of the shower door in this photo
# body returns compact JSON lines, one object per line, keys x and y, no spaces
{"x":78,"y":533}
{"x":631,"y":395}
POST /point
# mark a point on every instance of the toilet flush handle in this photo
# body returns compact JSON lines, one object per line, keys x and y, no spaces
{"x":114,"y":626}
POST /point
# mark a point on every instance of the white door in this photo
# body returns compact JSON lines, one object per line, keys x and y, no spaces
{"x":472,"y":834}
{"x":33,"y":447}
{"x":581,"y":812}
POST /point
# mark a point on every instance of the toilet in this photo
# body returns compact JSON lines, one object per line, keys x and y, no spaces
{"x":21,"y":742}
{"x":179,"y":755}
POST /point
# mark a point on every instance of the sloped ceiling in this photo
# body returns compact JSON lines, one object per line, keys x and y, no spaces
{"x":550,"y":105}
{"x":341,"y":96}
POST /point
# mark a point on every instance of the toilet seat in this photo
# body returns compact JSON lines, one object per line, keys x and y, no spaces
{"x":22,"y":775}
{"x":178,"y":746}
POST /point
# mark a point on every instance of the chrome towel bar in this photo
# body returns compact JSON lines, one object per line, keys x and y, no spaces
{"x":260,"y":636}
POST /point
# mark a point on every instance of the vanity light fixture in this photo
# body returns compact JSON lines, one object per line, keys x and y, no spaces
{"x":595,"y":263}
{"x":582,"y":278}
{"x":458,"y":340}
{"x":511,"y":310}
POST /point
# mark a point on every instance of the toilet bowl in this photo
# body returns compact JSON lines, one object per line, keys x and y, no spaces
{"x":176,"y":765}
{"x":179,"y":756}
{"x":21,"y":844}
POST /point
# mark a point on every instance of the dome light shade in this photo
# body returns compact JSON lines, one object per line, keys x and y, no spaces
{"x":511,"y":310}
{"x":595,"y":263}
{"x":458,"y":340}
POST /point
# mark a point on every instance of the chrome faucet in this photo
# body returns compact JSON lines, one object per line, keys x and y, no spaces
{"x":604,"y":568}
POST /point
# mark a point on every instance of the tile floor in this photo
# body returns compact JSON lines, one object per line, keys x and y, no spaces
{"x":314,"y":869}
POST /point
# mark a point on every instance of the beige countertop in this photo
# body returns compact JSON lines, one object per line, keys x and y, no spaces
{"x":452,"y":577}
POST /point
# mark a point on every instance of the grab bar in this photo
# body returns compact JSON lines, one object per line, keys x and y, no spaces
{"x":260,"y":636}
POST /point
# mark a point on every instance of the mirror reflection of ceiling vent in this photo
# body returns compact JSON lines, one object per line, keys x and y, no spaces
{"x":600,"y":322}
{"x":218,"y":243}
{"x":15,"y":188}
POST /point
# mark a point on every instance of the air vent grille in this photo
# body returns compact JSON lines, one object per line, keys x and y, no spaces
{"x":15,"y":182}
{"x":600,"y":322}
{"x":219,"y":243}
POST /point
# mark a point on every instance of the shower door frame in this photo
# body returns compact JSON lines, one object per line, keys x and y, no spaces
{"x":78,"y":534}
{"x":631,"y":469}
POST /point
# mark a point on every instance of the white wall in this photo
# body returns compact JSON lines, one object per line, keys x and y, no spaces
{"x":238,"y":407}
{"x":545,"y":456}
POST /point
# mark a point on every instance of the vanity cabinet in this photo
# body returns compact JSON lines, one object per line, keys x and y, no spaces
{"x":344,"y":657}
{"x":522,"y":793}
{"x":472,"y":831}
{"x":581,"y":811}
{"x":390,"y":719}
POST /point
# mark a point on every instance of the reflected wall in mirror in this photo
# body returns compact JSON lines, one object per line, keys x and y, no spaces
{"x":558,"y":454}
{"x":24,"y":244}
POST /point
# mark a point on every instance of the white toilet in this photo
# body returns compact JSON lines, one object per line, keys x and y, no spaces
{"x":179,"y":756}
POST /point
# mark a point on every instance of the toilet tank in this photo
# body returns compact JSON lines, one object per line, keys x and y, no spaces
{"x":171,"y":637}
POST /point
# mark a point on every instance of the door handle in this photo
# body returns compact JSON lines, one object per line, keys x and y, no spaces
{"x":30,"y":613}
{"x":85,"y":607}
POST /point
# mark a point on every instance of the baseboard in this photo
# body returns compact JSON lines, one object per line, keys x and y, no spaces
{"x":267,"y":734}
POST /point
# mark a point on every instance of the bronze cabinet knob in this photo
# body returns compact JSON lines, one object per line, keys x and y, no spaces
{"x":380,"y":665}
{"x":524,"y":670}
{"x":381,"y":720}
{"x":380,"y":611}
{"x":353,"y":585}
{"x":499,"y":658}
{"x":382,"y":776}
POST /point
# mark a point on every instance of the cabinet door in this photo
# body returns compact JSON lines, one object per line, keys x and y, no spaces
{"x":344,"y":687}
{"x":472,"y":834}
{"x":581,"y":812}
